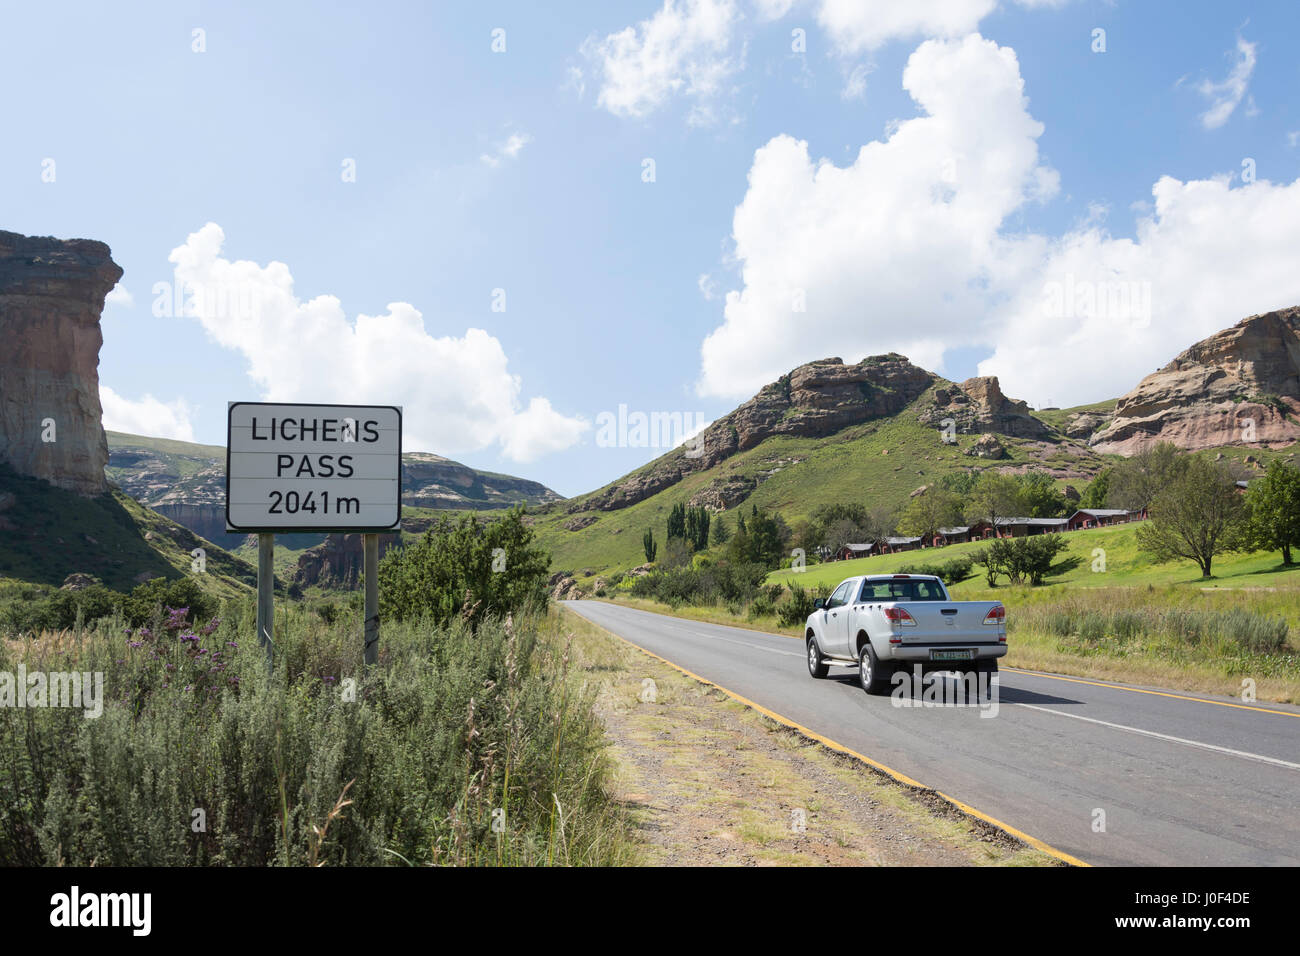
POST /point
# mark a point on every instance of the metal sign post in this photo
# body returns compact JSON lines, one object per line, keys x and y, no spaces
{"x":314,"y":468}
{"x":266,"y":593}
{"x":370,"y":543}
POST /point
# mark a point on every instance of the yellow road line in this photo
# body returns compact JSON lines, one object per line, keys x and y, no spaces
{"x":1156,"y":693}
{"x":902,"y":778}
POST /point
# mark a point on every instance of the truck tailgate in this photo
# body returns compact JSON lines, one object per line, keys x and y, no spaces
{"x":948,"y":622}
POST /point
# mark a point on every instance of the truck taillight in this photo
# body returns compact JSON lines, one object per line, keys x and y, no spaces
{"x":996,"y":615}
{"x":899,"y":615}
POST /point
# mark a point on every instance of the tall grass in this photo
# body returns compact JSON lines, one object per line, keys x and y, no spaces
{"x":203,"y":756}
{"x":1167,"y":624}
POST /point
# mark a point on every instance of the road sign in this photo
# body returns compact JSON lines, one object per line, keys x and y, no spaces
{"x":300,"y":468}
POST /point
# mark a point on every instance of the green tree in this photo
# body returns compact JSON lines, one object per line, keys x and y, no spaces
{"x":720,"y":535}
{"x":648,"y":544}
{"x":1273,"y":503}
{"x":677,"y":522}
{"x":1039,"y":496}
{"x":1196,"y":515}
{"x":465,"y":569}
{"x":993,"y":496}
{"x":761,"y":540}
{"x":1135,"y":482}
{"x":929,"y":511}
{"x":1094,"y":496}
{"x":697,"y":528}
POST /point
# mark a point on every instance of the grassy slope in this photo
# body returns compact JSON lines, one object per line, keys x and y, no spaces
{"x":879,"y":462}
{"x":1059,"y":416}
{"x":58,"y":533}
{"x":1125,"y":566}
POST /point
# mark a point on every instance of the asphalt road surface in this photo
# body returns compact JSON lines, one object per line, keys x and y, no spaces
{"x":1182,"y":779}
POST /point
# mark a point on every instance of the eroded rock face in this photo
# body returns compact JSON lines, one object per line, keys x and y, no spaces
{"x":814,"y":400}
{"x":978,"y":406}
{"x":338,"y":561}
{"x":1236,"y":387}
{"x":51,"y":296}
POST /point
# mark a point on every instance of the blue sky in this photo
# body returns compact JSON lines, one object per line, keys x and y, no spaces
{"x":969,"y":182}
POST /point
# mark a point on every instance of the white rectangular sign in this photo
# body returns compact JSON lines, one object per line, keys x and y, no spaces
{"x":313,"y":467}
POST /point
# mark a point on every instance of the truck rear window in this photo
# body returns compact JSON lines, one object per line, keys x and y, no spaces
{"x":893,"y":590}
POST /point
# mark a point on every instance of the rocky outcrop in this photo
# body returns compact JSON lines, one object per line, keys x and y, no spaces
{"x":51,"y":296}
{"x":1083,"y":425}
{"x":813,"y":401}
{"x":563,"y":587}
{"x":723,"y":493}
{"x":978,"y":406}
{"x":1239,"y":386}
{"x":338,"y":561}
{"x":987,"y":446}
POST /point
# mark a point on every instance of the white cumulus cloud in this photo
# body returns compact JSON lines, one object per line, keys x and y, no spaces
{"x":894,"y":251}
{"x":912,"y":248}
{"x":146,"y":416}
{"x":1098,"y":312}
{"x":692,"y":47}
{"x":457,"y":390}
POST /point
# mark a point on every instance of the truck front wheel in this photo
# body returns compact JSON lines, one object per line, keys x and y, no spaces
{"x":872,"y":674}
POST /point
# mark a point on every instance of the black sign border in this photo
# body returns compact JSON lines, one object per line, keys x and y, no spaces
{"x":260,"y":529}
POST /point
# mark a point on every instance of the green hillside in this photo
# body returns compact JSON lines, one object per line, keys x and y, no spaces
{"x":47,"y":533}
{"x":876,"y":463}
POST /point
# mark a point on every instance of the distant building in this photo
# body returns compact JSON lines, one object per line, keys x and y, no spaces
{"x":1102,"y":517}
{"x":946,"y":536}
{"x":1016,"y":527}
{"x":854,"y":551}
{"x":894,"y":545}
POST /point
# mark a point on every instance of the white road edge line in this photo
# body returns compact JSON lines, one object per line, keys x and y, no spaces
{"x":1178,"y":740}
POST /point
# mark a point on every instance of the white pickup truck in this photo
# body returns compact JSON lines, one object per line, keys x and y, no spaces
{"x":881,"y":622}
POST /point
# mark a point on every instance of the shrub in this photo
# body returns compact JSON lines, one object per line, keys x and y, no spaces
{"x":950,"y":572}
{"x":464,"y":569}
{"x":423,"y":750}
{"x":794,"y":612}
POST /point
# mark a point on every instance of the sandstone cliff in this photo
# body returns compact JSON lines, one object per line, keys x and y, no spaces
{"x":51,"y":296}
{"x":1239,"y":386}
{"x":978,"y":406}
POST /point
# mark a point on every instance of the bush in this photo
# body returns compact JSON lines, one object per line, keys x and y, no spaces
{"x":464,"y":569}
{"x":731,"y":584}
{"x":423,"y":749}
{"x":949,"y":572}
{"x":1021,"y":560}
{"x":795,"y":611}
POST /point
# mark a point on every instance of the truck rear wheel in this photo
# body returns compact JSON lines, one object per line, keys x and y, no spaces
{"x":815,"y":665}
{"x":872,"y":674}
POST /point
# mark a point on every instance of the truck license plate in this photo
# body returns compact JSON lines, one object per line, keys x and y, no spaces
{"x":962,"y":655}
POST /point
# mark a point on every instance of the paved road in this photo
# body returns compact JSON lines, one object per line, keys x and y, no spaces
{"x":1183,"y":779}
